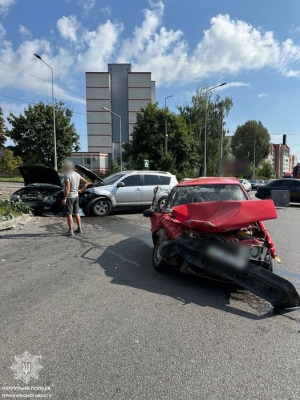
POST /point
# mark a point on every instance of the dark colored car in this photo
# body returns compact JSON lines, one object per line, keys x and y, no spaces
{"x":254,"y":183}
{"x":43,"y":187}
{"x":291,"y":184}
{"x":210,"y":227}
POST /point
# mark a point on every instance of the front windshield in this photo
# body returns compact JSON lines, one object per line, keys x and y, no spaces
{"x":204,"y":193}
{"x":111,"y":179}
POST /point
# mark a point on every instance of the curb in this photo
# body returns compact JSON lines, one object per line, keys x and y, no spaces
{"x":12,"y":223}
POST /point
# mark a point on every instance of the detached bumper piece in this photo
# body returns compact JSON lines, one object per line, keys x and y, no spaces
{"x":199,"y":258}
{"x":278,"y":291}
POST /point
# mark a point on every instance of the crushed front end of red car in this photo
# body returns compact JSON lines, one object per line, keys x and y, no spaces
{"x":224,"y":240}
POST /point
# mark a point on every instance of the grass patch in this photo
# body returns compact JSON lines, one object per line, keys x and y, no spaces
{"x":12,"y":209}
{"x":11,"y":179}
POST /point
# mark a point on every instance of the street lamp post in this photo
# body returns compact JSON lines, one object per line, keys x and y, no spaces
{"x":254,"y":155}
{"x":166,"y":124}
{"x":121,"y":151}
{"x":205,"y":125}
{"x":221,"y":144}
{"x":53,"y":108}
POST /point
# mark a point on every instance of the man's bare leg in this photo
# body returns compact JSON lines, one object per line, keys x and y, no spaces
{"x":78,"y":220}
{"x":70,"y":222}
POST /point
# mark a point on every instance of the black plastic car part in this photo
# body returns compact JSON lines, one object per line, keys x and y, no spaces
{"x":273,"y":288}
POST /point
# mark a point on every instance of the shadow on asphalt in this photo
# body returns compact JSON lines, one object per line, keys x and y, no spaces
{"x":129,"y":263}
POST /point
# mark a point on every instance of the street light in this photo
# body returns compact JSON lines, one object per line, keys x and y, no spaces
{"x":53,"y":107}
{"x":121,"y":152}
{"x":166,"y":124}
{"x":205,"y":125}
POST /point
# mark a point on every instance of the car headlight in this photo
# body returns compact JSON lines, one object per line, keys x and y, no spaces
{"x":254,"y":251}
{"x":49,"y":199}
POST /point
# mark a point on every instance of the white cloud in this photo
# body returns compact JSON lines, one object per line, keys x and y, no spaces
{"x":291,"y":73}
{"x":24,"y":59}
{"x":143,"y":35}
{"x":106,"y":11}
{"x":88,"y":5}
{"x":97,"y":50}
{"x":2,"y":31}
{"x":227,"y":48}
{"x":24,"y":31}
{"x":67,"y":27}
{"x":10,"y":107}
{"x":295,"y":29}
{"x":276,"y":138}
{"x":234,"y":85}
{"x":5,"y":5}
{"x":260,"y":95}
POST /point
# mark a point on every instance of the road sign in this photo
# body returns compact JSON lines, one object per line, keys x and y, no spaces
{"x":146,"y":163}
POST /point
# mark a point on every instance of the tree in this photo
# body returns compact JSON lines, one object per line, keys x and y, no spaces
{"x":32,"y":134}
{"x":9,"y":163}
{"x":2,"y":129}
{"x":249,"y":137}
{"x":113,"y":167}
{"x":265,"y":170}
{"x":148,"y":138}
{"x":216,"y":109}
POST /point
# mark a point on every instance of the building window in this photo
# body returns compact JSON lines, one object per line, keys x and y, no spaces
{"x":87,"y":160}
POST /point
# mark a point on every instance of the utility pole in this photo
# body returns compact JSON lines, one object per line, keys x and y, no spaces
{"x":53,"y":111}
{"x":254,"y":155}
{"x":221,"y":145}
{"x":205,"y":125}
{"x":166,"y":125}
{"x":120,"y":136}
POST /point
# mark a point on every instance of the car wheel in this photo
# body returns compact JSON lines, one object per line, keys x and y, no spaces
{"x":101,"y":207}
{"x":162,"y":202}
{"x":159,"y":264}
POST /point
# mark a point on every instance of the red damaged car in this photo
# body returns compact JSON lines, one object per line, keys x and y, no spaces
{"x":211,"y":228}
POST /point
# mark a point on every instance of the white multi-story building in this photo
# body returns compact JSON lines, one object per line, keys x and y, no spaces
{"x":124,"y":93}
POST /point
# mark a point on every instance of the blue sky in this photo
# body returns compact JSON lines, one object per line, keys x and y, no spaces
{"x":253,"y":45}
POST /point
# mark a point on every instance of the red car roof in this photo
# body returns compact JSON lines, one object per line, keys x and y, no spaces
{"x":209,"y":181}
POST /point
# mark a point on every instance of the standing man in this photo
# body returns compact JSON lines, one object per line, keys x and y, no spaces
{"x":70,"y":200}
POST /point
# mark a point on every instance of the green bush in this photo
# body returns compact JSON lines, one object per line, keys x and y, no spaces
{"x":12,"y":209}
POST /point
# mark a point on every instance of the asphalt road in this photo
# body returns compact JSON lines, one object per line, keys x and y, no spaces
{"x":108,"y":327}
{"x":10,"y":186}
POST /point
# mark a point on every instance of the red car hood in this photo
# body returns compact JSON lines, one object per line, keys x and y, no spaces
{"x":217,"y":216}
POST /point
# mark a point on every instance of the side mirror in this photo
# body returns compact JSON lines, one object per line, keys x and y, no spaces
{"x":121,"y":184}
{"x":148,"y":213}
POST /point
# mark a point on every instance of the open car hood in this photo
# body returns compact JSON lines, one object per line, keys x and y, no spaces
{"x":39,"y":174}
{"x":222,"y":216}
{"x":90,"y":174}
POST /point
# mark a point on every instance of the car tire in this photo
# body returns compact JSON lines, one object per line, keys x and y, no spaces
{"x":159,"y":264}
{"x":101,"y":207}
{"x":162,"y":202}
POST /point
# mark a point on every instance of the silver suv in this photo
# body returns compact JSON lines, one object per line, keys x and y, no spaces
{"x":127,"y":190}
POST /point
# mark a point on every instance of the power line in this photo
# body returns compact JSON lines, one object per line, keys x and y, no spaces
{"x":24,"y":101}
{"x":13,"y":98}
{"x":45,"y":80}
{"x":40,"y":78}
